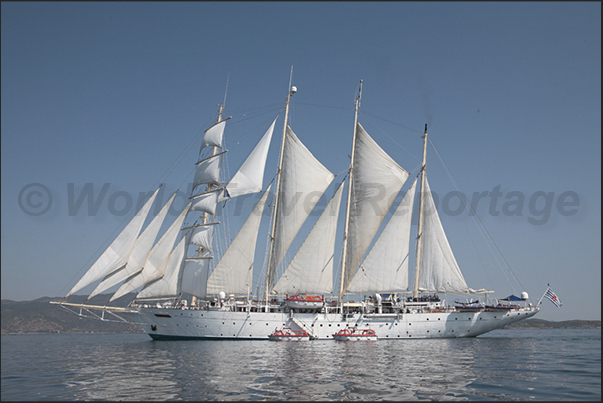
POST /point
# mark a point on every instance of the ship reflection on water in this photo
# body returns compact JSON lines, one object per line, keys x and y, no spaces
{"x":316,"y":370}
{"x":503,"y":365}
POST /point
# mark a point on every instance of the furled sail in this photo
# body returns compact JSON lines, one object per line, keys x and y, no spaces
{"x":303,"y":181}
{"x":139,"y":254}
{"x":311,"y":270}
{"x":116,"y":255}
{"x":439,"y":271}
{"x":234,"y":271}
{"x":168,"y":284}
{"x":376,"y":179}
{"x":205,"y":202}
{"x":249,"y":177}
{"x":156,"y":263}
{"x":213,"y":136}
{"x":386,"y":265}
{"x":194,"y":276}
{"x":208,"y":171}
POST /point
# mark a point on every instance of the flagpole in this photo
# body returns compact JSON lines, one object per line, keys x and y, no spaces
{"x":548,"y":286}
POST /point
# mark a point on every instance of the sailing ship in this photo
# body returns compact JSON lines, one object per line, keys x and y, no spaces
{"x":184,"y":297}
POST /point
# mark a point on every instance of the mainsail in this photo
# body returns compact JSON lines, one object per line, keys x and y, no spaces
{"x":375,"y":180}
{"x":386,"y":265}
{"x":311,"y":270}
{"x":303,"y":180}
{"x":117,"y":254}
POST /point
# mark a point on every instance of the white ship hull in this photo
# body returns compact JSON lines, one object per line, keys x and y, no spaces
{"x":162,"y":323}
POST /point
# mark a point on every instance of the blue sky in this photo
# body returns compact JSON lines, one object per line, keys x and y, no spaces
{"x":114,"y":92}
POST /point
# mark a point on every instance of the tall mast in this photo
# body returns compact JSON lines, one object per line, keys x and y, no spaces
{"x":269,"y":274}
{"x":415,"y":292}
{"x":214,"y":152}
{"x":347,"y":211}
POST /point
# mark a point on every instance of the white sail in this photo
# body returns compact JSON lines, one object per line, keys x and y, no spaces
{"x":156,"y":263}
{"x":439,"y":271}
{"x":139,"y":254}
{"x":168,"y":284}
{"x":376,"y":179}
{"x":213,"y":136}
{"x":116,"y":255}
{"x":249,"y":177}
{"x":202,"y":235}
{"x":303,"y":181}
{"x":208,"y":171}
{"x":194,"y":276}
{"x":386,"y":265}
{"x":311,"y":270}
{"x":205,"y":202}
{"x":234,"y":271}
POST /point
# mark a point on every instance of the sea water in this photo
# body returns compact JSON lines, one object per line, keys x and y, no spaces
{"x":558,"y":364}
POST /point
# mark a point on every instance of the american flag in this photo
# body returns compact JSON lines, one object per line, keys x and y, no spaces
{"x":552,"y":297}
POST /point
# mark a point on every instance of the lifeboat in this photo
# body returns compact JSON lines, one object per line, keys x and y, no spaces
{"x":501,"y":306}
{"x":471,"y":306}
{"x":288,"y":334}
{"x":353,"y":334}
{"x":303,"y":301}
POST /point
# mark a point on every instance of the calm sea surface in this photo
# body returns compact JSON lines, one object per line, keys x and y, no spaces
{"x":560,"y":364}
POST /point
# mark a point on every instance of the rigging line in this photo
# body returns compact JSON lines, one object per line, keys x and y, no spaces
{"x":327,"y":106}
{"x":476,"y":216}
{"x":389,"y":121}
{"x":238,"y":140}
{"x":256,"y":108}
{"x":394,"y":140}
{"x":480,"y":226}
{"x":346,"y":157}
{"x":247,"y":116}
{"x":111,"y":236}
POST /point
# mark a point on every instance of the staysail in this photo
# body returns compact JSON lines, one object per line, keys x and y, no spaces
{"x":439,"y":271}
{"x":311,"y":269}
{"x":234,"y":271}
{"x":139,"y":253}
{"x":249,"y":177}
{"x":168,"y":284}
{"x":156,"y":263}
{"x":116,"y":255}
{"x":386,"y":265}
